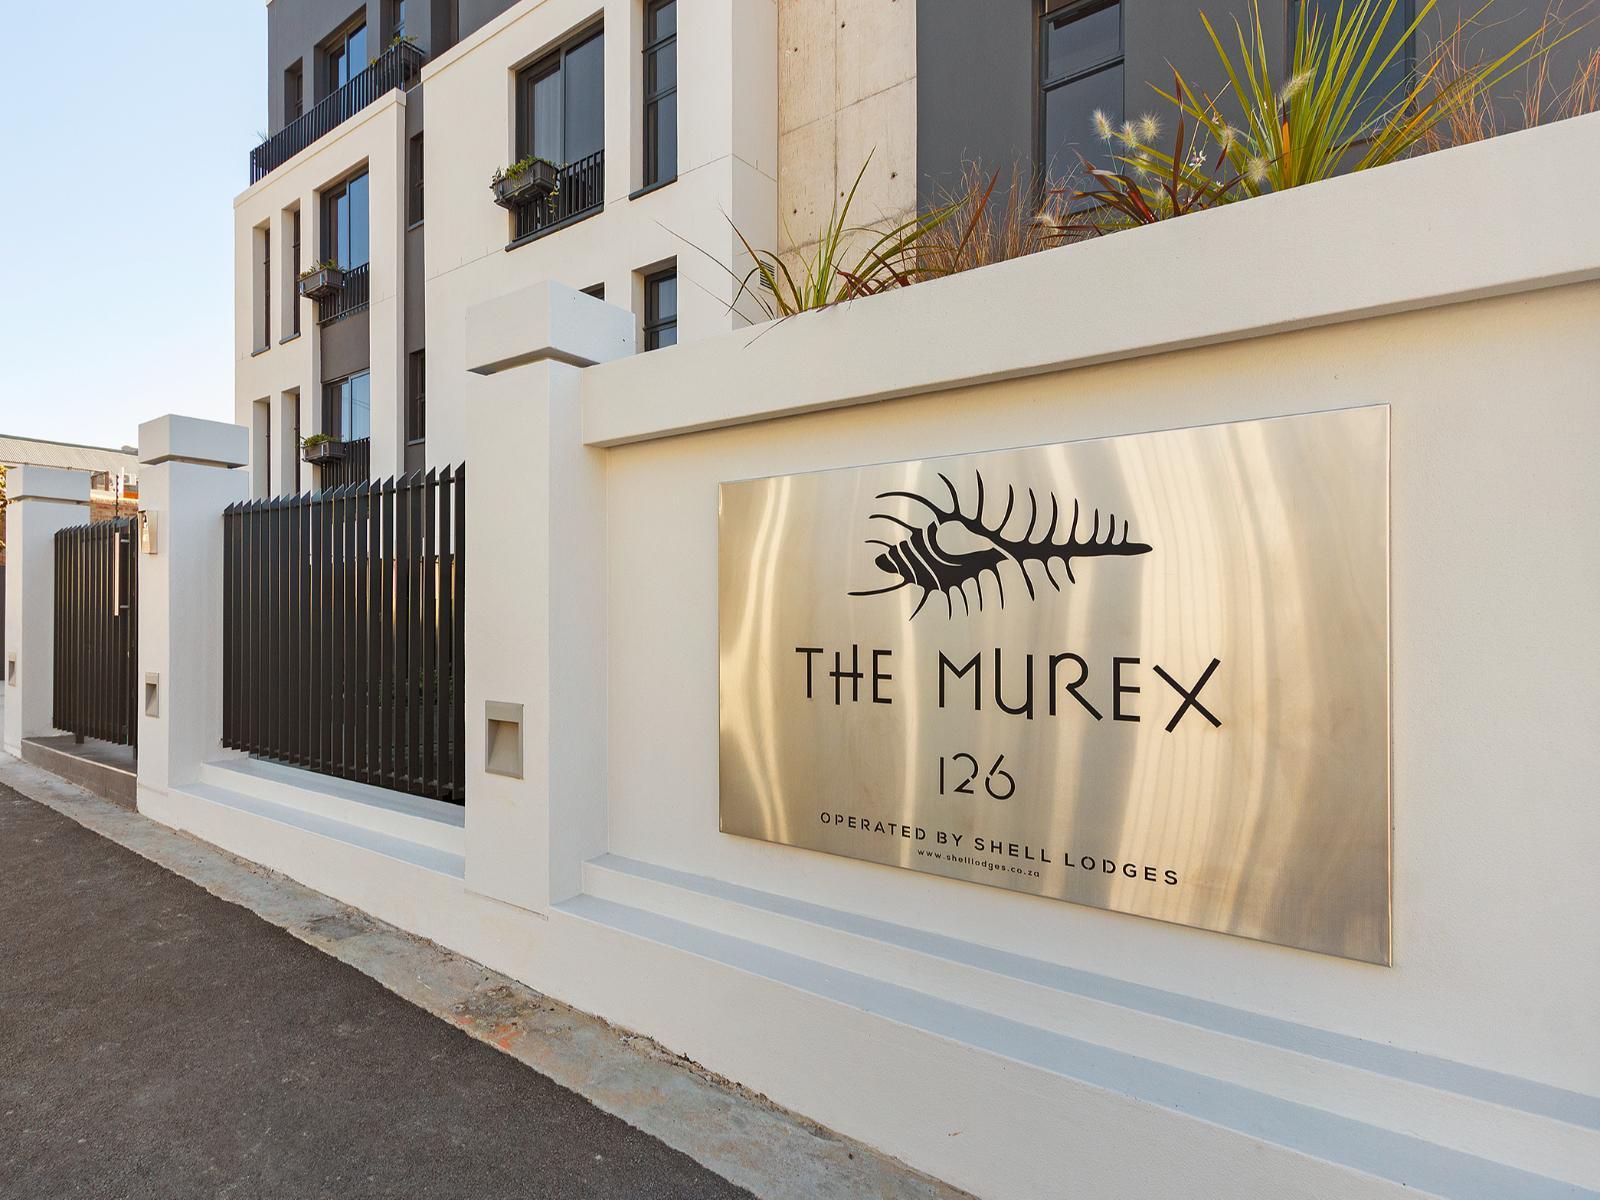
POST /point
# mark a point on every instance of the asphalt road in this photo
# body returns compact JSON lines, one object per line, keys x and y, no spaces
{"x":156,"y":1041}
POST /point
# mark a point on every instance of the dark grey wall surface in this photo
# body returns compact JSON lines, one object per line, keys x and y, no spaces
{"x":296,"y":28}
{"x":978,"y":68}
{"x":975,"y":89}
{"x":346,"y":346}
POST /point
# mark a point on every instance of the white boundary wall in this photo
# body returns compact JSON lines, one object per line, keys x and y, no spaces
{"x":1018,"y":1046}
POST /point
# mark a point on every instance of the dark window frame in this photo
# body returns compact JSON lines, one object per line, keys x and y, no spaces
{"x":1054,"y":14}
{"x":654,"y":101}
{"x":266,"y":286}
{"x":333,"y":405}
{"x":294,"y":91}
{"x":654,"y":323}
{"x":394,"y":20}
{"x":299,"y":462}
{"x":336,"y":48}
{"x":553,"y":61}
{"x":417,"y":396}
{"x":447,"y":26}
{"x":415,"y":181}
{"x":294,"y":308}
{"x":330,"y":226}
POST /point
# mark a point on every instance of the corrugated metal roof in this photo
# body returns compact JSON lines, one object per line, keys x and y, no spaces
{"x":21,"y":451}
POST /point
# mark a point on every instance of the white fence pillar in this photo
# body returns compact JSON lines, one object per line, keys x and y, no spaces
{"x":535,"y":617}
{"x":39,"y":501}
{"x":188,"y":476}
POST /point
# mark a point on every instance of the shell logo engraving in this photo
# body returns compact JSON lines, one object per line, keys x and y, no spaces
{"x":956,"y":548}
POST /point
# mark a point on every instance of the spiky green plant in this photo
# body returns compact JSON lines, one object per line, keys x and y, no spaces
{"x":833,"y":272}
{"x":1333,"y":114}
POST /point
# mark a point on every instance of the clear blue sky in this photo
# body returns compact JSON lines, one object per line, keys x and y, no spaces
{"x":125,"y":137}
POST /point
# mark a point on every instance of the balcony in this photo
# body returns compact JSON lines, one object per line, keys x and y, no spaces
{"x":352,"y":467}
{"x":580,"y":192}
{"x":397,"y":67}
{"x":350,"y":297}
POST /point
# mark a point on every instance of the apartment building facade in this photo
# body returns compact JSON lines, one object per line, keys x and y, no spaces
{"x":654,"y":178}
{"x":675,"y":127}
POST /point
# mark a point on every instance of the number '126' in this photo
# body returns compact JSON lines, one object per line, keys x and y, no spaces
{"x":998,"y":782}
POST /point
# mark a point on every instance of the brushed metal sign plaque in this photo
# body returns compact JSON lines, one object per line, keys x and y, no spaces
{"x":1146,"y":673}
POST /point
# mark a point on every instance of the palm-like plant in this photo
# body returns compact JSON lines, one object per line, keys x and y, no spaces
{"x":1334,"y":113}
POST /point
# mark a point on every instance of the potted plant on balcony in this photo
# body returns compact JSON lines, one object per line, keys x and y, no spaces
{"x":321,"y":280}
{"x":322,"y":448}
{"x":527,"y":179}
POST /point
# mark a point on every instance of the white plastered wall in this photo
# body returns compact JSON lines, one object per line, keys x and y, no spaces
{"x":1023,"y":1047}
{"x":727,"y":170}
{"x":1491,"y":650}
{"x":291,"y":365}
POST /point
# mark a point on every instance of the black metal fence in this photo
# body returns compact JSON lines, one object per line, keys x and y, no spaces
{"x":398,"y":66}
{"x":96,"y":687}
{"x":352,"y":296}
{"x":581,"y":190}
{"x":343,"y":633}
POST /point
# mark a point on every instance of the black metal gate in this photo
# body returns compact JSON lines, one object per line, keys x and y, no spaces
{"x":97,"y":631}
{"x":344,"y":632}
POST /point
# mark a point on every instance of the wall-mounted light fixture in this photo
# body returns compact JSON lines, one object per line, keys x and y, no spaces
{"x":502,"y":747}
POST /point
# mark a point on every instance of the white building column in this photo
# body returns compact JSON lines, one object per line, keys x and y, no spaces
{"x":39,"y":501}
{"x":187,"y":477}
{"x":535,"y":591}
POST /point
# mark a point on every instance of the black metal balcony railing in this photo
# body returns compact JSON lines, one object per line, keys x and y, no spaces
{"x":351,"y":297}
{"x":580,"y":191}
{"x":354,"y":467}
{"x":397,"y":67}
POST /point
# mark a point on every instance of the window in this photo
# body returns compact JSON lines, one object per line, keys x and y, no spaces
{"x":446,"y":25}
{"x":265,"y":242}
{"x":294,"y":92}
{"x":561,"y":117}
{"x":417,"y":396}
{"x":414,"y":180}
{"x":397,"y":19}
{"x":294,"y":306}
{"x":561,"y":102}
{"x":660,"y":92}
{"x":346,"y":56}
{"x":347,"y":407}
{"x":344,"y":223}
{"x":1390,"y":85}
{"x":661,"y":309}
{"x":294,"y":399}
{"x":1080,"y":74}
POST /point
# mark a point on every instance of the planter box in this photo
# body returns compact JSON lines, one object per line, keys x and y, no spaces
{"x":319,"y":285}
{"x":538,"y":182}
{"x":329,"y":451}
